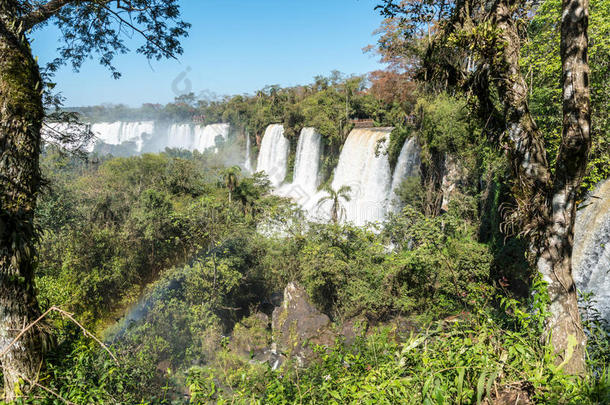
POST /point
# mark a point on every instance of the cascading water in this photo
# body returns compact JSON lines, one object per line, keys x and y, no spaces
{"x":53,"y":132}
{"x":139,"y":132}
{"x":248,"y":160}
{"x":108,"y":132}
{"x":307,"y":162}
{"x":273,"y":155}
{"x":591,"y":252}
{"x":117,"y":133}
{"x":406,"y":166}
{"x":205,"y":136}
{"x":180,"y":136}
{"x":365,"y":168}
{"x":148,"y":138}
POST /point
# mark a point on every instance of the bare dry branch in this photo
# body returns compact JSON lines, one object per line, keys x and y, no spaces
{"x":66,"y":315}
{"x":49,"y":390}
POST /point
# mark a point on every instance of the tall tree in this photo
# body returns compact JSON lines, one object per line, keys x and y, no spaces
{"x":477,"y":45}
{"x":556,"y":256}
{"x":337,"y":210}
{"x":21,"y":115}
{"x":231,"y":179}
{"x":88,"y":27}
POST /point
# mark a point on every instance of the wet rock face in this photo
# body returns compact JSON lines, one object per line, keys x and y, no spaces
{"x":296,"y":321}
{"x":251,"y":335}
{"x":591,"y":252}
{"x":454,"y":175}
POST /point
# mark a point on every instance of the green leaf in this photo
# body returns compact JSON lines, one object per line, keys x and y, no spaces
{"x":481,"y":387}
{"x":490,"y":382}
{"x":460,"y":383}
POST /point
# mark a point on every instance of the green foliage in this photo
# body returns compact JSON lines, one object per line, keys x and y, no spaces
{"x":410,"y":192}
{"x":156,"y":237}
{"x":100,"y":31}
{"x":466,"y":360}
{"x":397,"y":139}
{"x":125,"y":221}
{"x":187,"y":254}
{"x":598,"y":335}
{"x":436,"y":266}
{"x":439,"y":262}
{"x":445,"y":124}
{"x":542,"y":66}
{"x":137,"y":217}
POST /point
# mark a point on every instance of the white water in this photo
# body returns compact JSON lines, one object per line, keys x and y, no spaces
{"x":306,"y":168}
{"x":364,"y":167}
{"x":180,"y":136}
{"x":53,"y":132}
{"x":108,"y":132}
{"x":248,"y":160}
{"x":117,"y":133}
{"x":307,"y":160}
{"x":148,"y":137}
{"x":273,"y":155}
{"x":591,"y":253}
{"x":205,"y":136}
{"x":407,"y":165}
{"x":196,"y":137}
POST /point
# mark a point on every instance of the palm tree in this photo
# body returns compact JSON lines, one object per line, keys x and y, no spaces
{"x":337,"y":210}
{"x":231,"y":179}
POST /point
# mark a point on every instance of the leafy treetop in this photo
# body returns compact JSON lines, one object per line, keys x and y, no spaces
{"x":100,"y":27}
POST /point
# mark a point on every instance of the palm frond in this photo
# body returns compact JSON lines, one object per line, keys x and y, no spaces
{"x":323,"y":200}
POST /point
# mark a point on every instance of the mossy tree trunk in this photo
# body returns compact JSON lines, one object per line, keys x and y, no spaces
{"x":546,"y":202}
{"x":565,"y":326}
{"x":21,"y":115}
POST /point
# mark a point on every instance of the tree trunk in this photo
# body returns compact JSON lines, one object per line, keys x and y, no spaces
{"x":522,"y":138}
{"x":555,"y":262}
{"x":21,"y":115}
{"x":546,"y":204}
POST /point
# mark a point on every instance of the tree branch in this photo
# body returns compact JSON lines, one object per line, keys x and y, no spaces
{"x":66,"y":315}
{"x":44,"y":12}
{"x":50,"y":391}
{"x":49,"y":9}
{"x":139,"y":31}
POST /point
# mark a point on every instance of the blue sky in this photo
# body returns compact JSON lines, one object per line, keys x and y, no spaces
{"x":234,"y":47}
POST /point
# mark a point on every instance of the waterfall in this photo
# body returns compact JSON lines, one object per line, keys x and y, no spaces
{"x":117,"y":133}
{"x":138,"y":132}
{"x":148,"y":138}
{"x":196,"y":137}
{"x":406,"y":166}
{"x":108,"y":132}
{"x":180,"y":136}
{"x":307,"y":161}
{"x":365,"y":168}
{"x":248,"y":161}
{"x":52,"y":132}
{"x":273,"y":154}
{"x":591,"y":252}
{"x":205,"y":137}
{"x":306,"y":167}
